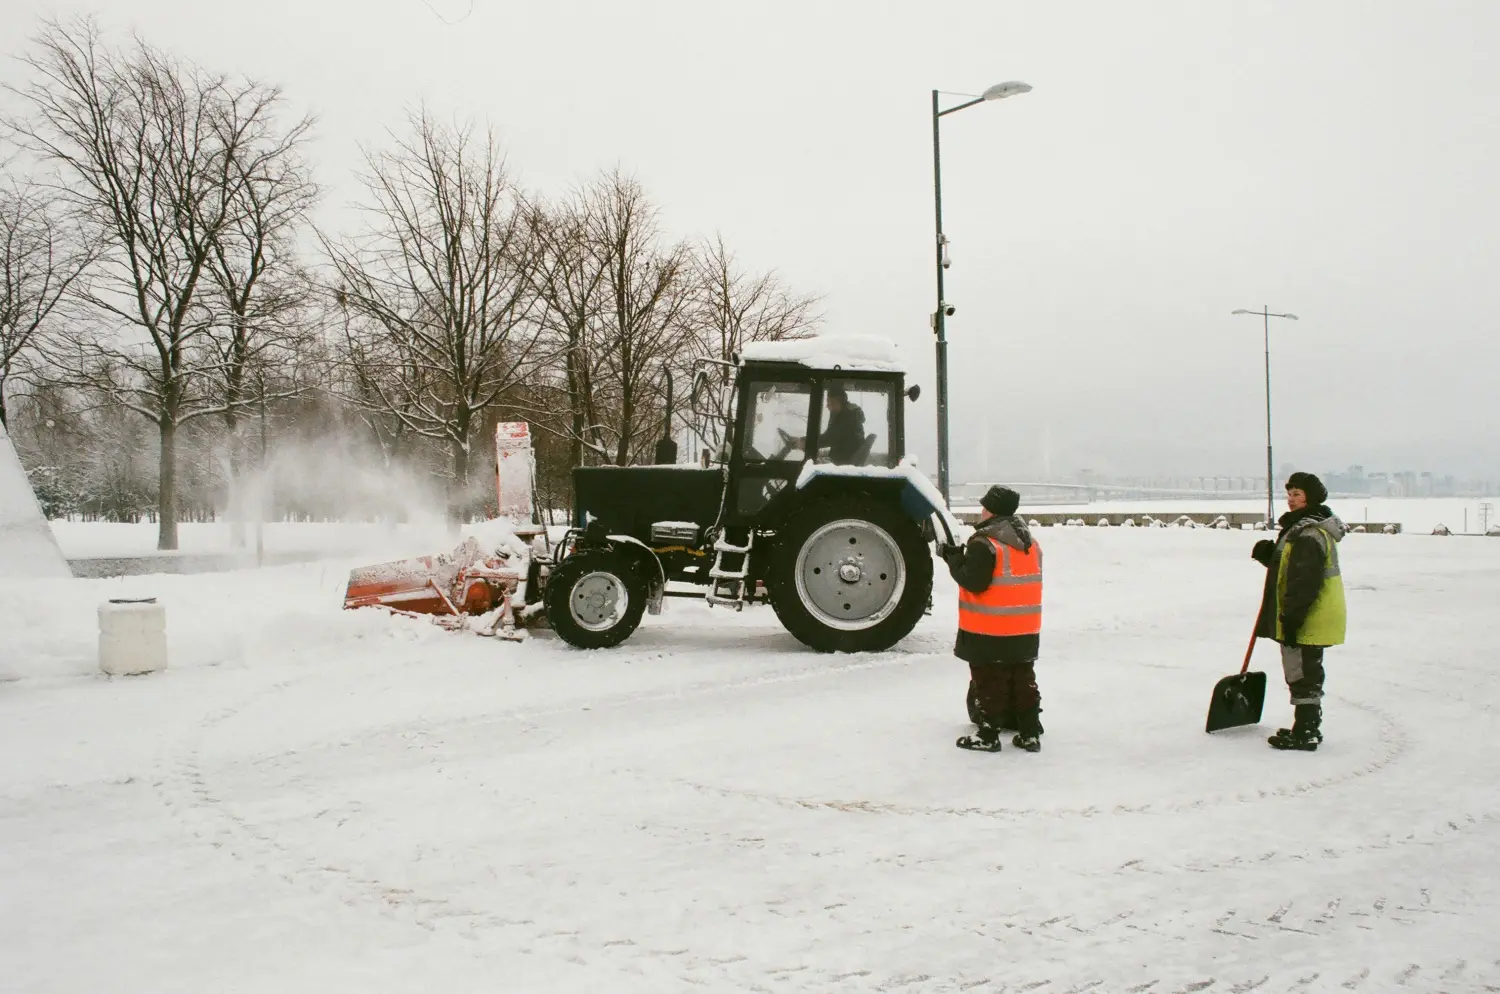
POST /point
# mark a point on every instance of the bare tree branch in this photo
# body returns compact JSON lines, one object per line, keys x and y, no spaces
{"x":732,"y":309}
{"x":151,"y":153}
{"x":438,"y":287}
{"x":40,"y":263}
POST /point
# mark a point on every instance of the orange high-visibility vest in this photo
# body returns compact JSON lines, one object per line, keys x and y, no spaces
{"x":1012,"y":604}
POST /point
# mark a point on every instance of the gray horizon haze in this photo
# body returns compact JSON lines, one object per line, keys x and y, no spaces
{"x":1175,"y":161}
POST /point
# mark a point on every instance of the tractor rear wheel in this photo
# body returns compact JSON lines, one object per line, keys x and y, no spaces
{"x":850,"y":574}
{"x":595,"y":598}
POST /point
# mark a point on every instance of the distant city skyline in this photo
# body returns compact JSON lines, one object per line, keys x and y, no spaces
{"x":1353,"y":480}
{"x":992,"y":442}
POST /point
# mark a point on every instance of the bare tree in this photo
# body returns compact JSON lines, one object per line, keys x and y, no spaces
{"x":733,"y":308}
{"x":362,"y":364}
{"x":40,"y":263}
{"x":263,"y":294}
{"x":569,"y":282}
{"x":644,"y":322}
{"x":147,"y":147}
{"x":439,"y":288}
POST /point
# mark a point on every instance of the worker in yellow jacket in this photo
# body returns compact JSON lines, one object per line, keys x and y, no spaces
{"x":1302,"y":606}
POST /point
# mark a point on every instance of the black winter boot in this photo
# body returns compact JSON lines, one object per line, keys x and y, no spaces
{"x":1029,"y":736}
{"x":987,"y":740}
{"x":1306,"y":733}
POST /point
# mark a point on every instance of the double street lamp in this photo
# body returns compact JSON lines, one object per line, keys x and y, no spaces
{"x":1266,"y":314}
{"x":944,"y":310}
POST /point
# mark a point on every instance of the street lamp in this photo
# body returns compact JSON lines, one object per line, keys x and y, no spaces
{"x":944,"y":310}
{"x":1266,"y":315}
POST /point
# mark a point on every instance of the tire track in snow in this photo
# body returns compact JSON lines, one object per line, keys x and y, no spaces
{"x":856,"y":663}
{"x":194,"y":793}
{"x":189,"y":795}
{"x":1391,"y":735}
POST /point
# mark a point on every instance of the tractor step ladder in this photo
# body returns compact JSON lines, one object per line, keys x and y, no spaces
{"x":731,"y":568}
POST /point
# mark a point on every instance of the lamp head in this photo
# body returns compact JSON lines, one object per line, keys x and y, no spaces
{"x":1002,"y":90}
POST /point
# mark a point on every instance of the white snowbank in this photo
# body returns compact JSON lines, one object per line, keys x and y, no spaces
{"x":27,"y":548}
{"x":830,"y":352}
{"x":108,"y":540}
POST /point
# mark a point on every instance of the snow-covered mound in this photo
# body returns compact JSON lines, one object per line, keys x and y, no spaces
{"x":27,"y":547}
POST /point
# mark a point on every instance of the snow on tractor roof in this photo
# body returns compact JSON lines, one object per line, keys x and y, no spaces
{"x":830,"y":352}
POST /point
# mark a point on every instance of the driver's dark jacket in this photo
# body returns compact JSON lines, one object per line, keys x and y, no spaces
{"x":844,"y":434}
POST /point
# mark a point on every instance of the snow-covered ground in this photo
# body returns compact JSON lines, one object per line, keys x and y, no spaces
{"x":314,"y":800}
{"x":103,"y":539}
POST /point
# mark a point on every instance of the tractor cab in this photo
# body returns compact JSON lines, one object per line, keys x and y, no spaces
{"x":788,"y":413}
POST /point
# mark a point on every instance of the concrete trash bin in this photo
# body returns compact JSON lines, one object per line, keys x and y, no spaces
{"x":132,"y":636}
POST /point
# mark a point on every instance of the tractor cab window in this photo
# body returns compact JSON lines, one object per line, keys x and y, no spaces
{"x":777,"y":421}
{"x":856,"y":426}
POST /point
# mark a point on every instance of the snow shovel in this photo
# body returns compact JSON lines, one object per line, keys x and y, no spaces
{"x":1238,"y":699}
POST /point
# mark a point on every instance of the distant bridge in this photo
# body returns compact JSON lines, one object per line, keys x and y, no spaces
{"x":1083,"y":493}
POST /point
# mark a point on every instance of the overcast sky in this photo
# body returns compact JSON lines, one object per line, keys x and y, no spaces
{"x":1175,"y":161}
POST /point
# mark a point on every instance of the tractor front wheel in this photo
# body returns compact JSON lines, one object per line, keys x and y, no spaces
{"x":850,"y":574}
{"x":595,"y":598}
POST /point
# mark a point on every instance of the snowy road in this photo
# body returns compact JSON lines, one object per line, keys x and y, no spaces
{"x":317,"y":801}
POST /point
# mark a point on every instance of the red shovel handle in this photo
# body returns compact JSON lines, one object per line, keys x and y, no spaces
{"x":1249,"y":651}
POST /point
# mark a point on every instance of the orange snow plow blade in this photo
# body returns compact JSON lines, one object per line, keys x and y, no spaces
{"x":480,"y":577}
{"x":414,"y":585}
{"x":453,"y":588}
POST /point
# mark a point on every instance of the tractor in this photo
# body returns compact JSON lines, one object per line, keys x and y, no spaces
{"x":811,"y":506}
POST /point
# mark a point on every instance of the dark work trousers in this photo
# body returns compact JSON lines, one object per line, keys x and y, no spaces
{"x":1303,"y":666}
{"x":1003,"y":695}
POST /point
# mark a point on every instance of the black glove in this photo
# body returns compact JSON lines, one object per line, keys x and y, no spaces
{"x":951,"y":553}
{"x":1264,"y":552}
{"x":1291,"y":624}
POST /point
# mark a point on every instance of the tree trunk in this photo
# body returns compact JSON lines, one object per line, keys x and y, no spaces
{"x":236,"y":481}
{"x":575,"y":400}
{"x":166,"y":489}
{"x":260,"y":485}
{"x":458,"y":498}
{"x":627,"y":425}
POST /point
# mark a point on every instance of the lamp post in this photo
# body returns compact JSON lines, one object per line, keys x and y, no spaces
{"x":1266,"y":315}
{"x":939,"y":317}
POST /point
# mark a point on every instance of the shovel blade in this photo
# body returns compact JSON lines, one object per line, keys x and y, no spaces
{"x":1237,"y":700}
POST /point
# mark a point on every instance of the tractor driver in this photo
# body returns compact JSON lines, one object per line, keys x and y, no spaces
{"x":844,"y":432}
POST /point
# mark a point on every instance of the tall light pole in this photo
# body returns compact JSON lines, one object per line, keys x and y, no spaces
{"x":1266,"y":315}
{"x":939,"y":317}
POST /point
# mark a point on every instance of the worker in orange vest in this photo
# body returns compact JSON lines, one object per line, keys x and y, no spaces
{"x":999,"y":576}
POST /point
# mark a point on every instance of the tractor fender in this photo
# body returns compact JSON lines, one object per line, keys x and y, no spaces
{"x":918,"y":498}
{"x":657,"y":586}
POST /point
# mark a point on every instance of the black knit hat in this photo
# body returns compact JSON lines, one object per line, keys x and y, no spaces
{"x":1310,"y":485}
{"x":1001,"y":501}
